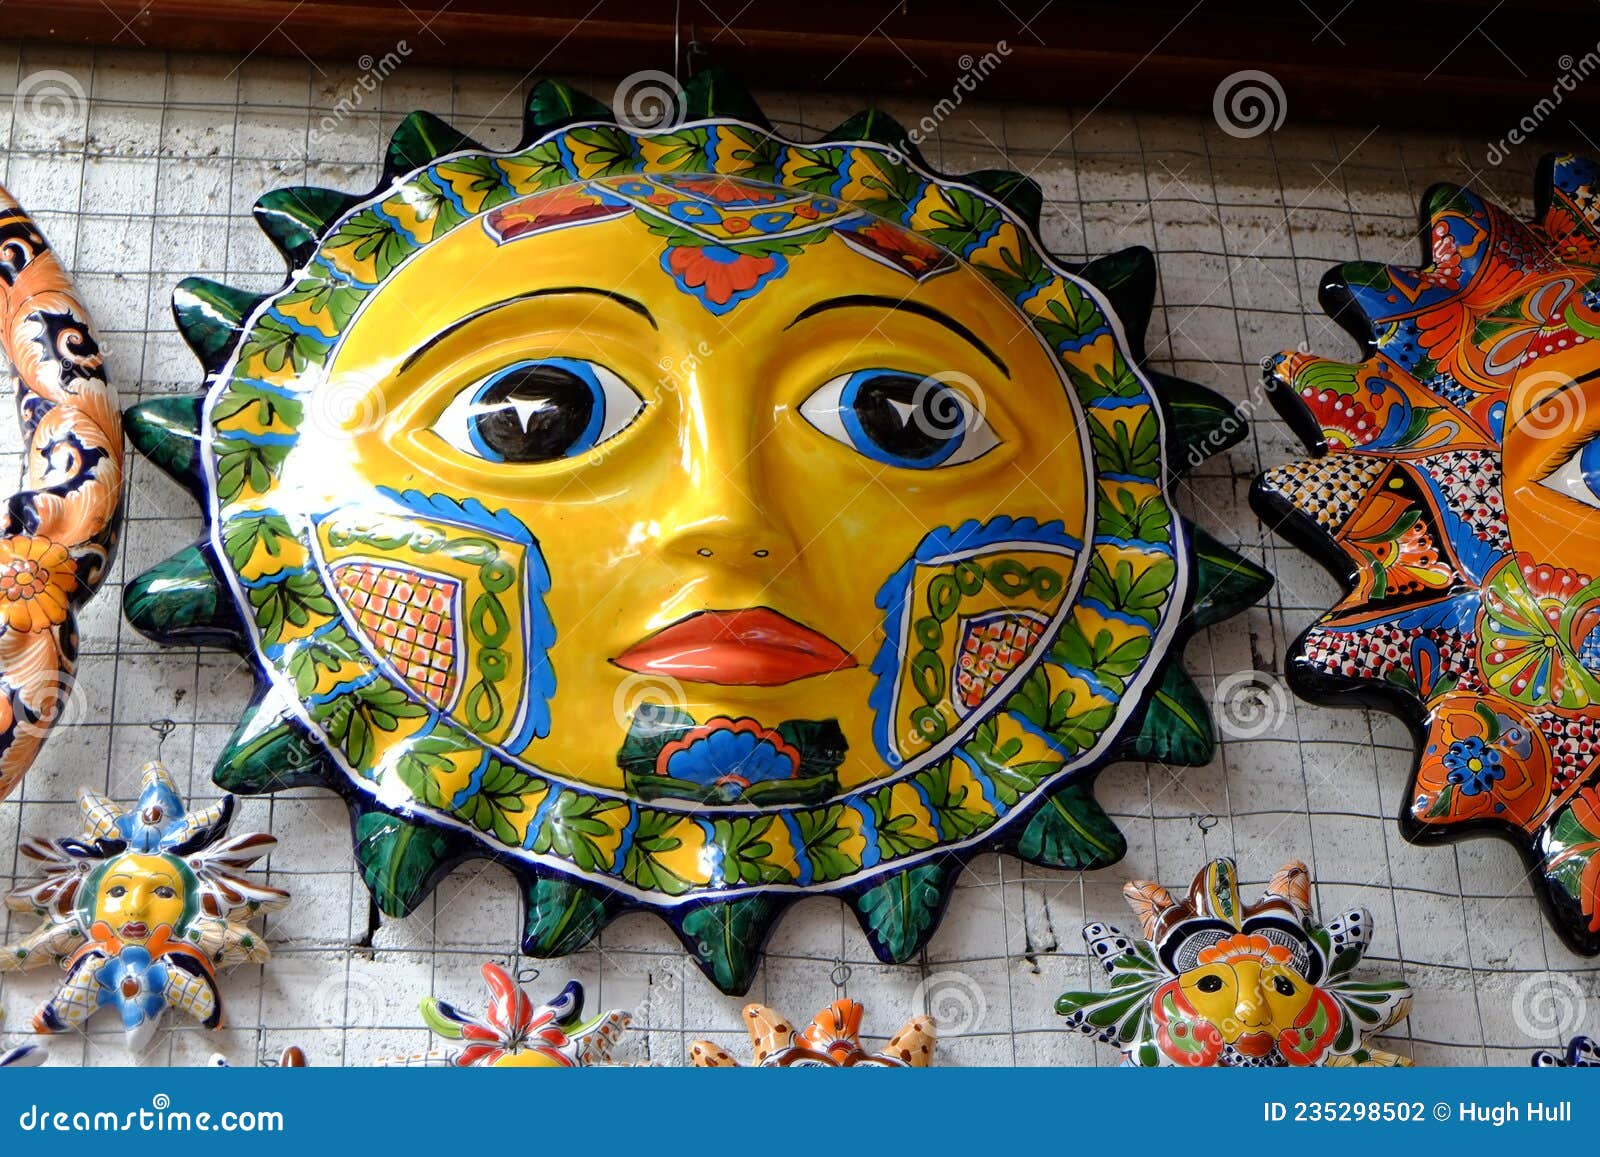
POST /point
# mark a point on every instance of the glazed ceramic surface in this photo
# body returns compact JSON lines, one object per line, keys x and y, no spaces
{"x":1581,"y":1053}
{"x":691,"y":520}
{"x":293,"y":1057}
{"x":58,"y":533}
{"x":1457,"y":493}
{"x":514,"y":1032}
{"x":1218,"y":982}
{"x":831,"y":1041}
{"x":22,"y":1056}
{"x":142,"y":909}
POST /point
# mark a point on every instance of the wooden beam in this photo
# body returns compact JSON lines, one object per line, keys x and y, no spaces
{"x":1470,"y":64}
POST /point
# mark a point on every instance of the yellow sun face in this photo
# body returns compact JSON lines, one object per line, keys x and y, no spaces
{"x":728,"y":484}
{"x":1247,"y":997}
{"x":138,"y":895}
{"x":694,"y":519}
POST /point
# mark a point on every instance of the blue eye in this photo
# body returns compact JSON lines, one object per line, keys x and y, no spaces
{"x":539,"y":411}
{"x":901,"y":419}
{"x":1579,"y":476}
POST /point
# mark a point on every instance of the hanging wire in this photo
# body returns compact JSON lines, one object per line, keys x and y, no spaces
{"x":840,"y":976}
{"x":163,"y":728}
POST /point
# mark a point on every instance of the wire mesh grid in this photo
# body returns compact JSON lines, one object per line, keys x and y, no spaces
{"x":145,"y":172}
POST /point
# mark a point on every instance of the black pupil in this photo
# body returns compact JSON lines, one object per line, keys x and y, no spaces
{"x":534,"y":413}
{"x":1284,"y":986}
{"x":908,"y":416}
{"x":1210,"y":984}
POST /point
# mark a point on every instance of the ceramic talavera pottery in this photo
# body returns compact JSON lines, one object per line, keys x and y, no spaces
{"x":142,"y":909}
{"x":513,"y":1032}
{"x":58,"y":533}
{"x":1581,"y":1053}
{"x":1218,"y":982}
{"x":1456,"y":492}
{"x":831,"y":1041}
{"x":292,"y":1057}
{"x":22,"y":1056}
{"x":693,"y":520}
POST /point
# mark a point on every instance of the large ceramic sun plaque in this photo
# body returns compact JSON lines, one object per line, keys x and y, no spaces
{"x":1456,"y":492}
{"x":693,"y":520}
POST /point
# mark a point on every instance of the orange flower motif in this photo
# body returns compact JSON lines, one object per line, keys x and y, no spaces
{"x":37,"y":577}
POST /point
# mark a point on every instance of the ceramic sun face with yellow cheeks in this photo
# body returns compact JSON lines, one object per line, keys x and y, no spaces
{"x":142,"y":910}
{"x":1456,"y":493}
{"x":691,"y":519}
{"x":1218,"y":982}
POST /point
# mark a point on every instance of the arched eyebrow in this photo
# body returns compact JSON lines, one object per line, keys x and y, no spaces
{"x":869,"y":301}
{"x":1561,"y":389}
{"x":623,"y":300}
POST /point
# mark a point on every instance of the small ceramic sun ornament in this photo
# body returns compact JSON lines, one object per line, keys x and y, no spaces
{"x":142,"y":909}
{"x":691,"y":519}
{"x":1456,"y":494}
{"x":1581,"y":1053}
{"x":513,"y":1032}
{"x":1218,"y":982}
{"x":831,"y":1041}
{"x":58,"y":533}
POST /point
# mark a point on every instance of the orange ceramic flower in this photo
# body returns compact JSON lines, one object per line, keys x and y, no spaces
{"x":37,"y":577}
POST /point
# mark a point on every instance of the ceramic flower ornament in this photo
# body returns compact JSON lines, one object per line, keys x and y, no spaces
{"x":142,"y":909}
{"x":1218,"y":982}
{"x":1456,"y":492}
{"x":58,"y":533}
{"x":513,"y":1032}
{"x":832,"y":1040}
{"x":692,"y":520}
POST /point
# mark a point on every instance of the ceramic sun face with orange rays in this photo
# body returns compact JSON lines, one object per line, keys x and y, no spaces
{"x":1456,"y":492}
{"x":831,"y":1041}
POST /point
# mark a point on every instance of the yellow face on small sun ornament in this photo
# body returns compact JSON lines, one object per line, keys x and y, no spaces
{"x":1218,"y":982}
{"x":689,"y":519}
{"x":141,"y":909}
{"x":138,"y":895}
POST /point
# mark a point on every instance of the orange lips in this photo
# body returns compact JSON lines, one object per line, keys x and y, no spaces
{"x":1254,"y":1044}
{"x":757,"y":647}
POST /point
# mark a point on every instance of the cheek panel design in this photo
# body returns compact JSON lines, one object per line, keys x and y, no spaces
{"x":451,"y":595}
